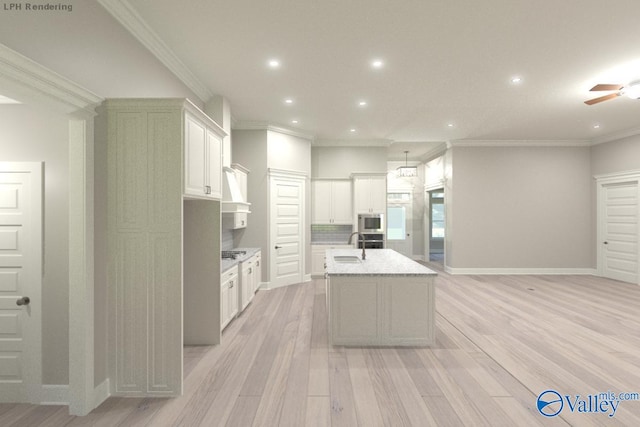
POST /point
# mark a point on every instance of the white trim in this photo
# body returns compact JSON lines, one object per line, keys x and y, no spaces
{"x":352,"y":143}
{"x":285,"y":173}
{"x":521,"y":271}
{"x":306,"y":278}
{"x":602,"y":181}
{"x":436,"y":185}
{"x":252,"y":125}
{"x":130,"y":19}
{"x":520,"y":143}
{"x":367,"y":174}
{"x":434,"y":153}
{"x":616,"y":135}
{"x":418,"y":257}
{"x":55,"y":395}
{"x":24,"y":79}
{"x":101,"y":393}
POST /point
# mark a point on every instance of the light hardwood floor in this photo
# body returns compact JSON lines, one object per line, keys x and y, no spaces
{"x":501,"y":340}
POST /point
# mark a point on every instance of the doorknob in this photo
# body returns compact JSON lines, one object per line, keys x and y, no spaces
{"x":278,"y":247}
{"x":606,"y":243}
{"x":23,"y":301}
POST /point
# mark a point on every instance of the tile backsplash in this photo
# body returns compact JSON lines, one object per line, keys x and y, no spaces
{"x":326,"y":233}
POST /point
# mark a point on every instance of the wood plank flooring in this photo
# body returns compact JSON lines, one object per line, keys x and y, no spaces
{"x":501,"y":340}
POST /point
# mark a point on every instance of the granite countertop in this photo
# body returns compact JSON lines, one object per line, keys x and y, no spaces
{"x":226,"y":264}
{"x":378,"y":262}
{"x":340,"y":243}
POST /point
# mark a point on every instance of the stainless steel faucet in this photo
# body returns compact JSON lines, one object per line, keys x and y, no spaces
{"x":364,"y":255}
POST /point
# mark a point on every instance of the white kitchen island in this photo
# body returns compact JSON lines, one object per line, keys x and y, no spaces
{"x":385,"y":300}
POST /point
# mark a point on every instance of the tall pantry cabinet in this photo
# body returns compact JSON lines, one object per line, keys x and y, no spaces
{"x":152,"y":146}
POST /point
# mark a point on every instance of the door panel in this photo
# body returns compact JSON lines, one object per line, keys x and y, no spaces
{"x":20,"y":276}
{"x":287,"y":220}
{"x":620,"y":240}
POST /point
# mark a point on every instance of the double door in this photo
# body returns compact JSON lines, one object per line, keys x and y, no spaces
{"x":370,"y":194}
{"x":331,"y":202}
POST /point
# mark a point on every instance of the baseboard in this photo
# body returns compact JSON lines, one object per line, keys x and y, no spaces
{"x":418,"y":257}
{"x":522,"y":271}
{"x":101,"y":393}
{"x":55,"y":395}
{"x":306,"y":278}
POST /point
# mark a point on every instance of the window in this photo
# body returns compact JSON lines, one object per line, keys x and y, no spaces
{"x":396,"y":220}
{"x":437,"y":215}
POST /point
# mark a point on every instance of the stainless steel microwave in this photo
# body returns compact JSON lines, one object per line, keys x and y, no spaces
{"x":371,"y":223}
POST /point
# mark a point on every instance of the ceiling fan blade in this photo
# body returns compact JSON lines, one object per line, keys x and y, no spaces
{"x":602,"y":98}
{"x":605,"y":87}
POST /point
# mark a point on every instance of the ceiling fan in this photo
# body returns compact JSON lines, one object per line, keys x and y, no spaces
{"x":632,"y":90}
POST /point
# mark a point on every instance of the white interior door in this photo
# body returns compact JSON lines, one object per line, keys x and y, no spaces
{"x":619,"y":231}
{"x":20,"y":281}
{"x":287,"y":224}
{"x":400,"y":223}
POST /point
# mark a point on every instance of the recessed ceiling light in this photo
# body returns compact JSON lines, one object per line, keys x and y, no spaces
{"x":295,"y":122}
{"x":352,"y":130}
{"x":596,"y":126}
{"x":362,"y":103}
{"x":377,"y":63}
{"x":516,"y":80}
{"x":274,"y":63}
{"x":450,"y":125}
{"x":288,"y":101}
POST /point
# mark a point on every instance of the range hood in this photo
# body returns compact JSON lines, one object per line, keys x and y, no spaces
{"x":232,"y":199}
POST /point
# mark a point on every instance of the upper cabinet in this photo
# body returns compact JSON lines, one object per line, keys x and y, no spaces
{"x":370,"y":193}
{"x":331,"y":202}
{"x":202,"y":157}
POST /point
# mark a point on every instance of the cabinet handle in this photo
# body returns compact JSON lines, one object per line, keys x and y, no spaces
{"x":231,"y":284}
{"x":250,"y":270}
{"x":258,"y":263}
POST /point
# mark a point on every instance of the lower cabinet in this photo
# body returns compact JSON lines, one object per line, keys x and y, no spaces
{"x":229,"y":295}
{"x":251,"y":275}
{"x":317,"y":258}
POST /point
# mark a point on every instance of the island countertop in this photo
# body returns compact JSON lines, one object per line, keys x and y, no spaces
{"x":378,"y":262}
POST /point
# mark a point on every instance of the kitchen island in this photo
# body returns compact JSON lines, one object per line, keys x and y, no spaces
{"x":386,"y":299}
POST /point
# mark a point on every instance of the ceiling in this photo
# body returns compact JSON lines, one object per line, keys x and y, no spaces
{"x":447,"y":65}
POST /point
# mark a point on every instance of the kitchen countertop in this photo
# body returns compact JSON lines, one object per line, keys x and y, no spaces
{"x":378,"y":262}
{"x":341,"y":243}
{"x":226,"y":264}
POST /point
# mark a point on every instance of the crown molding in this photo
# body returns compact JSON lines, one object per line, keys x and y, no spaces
{"x":435,"y":152}
{"x":352,"y":143}
{"x":616,"y":135}
{"x":250,"y":125}
{"x":127,"y":16}
{"x":23,"y":77}
{"x":519,"y":143}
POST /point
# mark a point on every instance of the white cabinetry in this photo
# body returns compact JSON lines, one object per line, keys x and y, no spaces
{"x":202,"y":157}
{"x":157,"y":244}
{"x":250,"y":280}
{"x":370,"y":194}
{"x":331,"y":202}
{"x":229,"y":295}
{"x":318,"y":253}
{"x":236,"y":214}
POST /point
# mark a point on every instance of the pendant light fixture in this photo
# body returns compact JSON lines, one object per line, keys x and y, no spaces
{"x":406,"y":170}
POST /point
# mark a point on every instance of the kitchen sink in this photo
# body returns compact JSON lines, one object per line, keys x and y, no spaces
{"x":346,"y":258}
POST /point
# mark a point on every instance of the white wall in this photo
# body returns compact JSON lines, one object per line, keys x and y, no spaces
{"x":29,"y":134}
{"x":341,"y":162}
{"x":92,"y":49}
{"x":520,"y":207}
{"x":259,"y":150}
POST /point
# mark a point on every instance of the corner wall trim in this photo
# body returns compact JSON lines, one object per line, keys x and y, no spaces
{"x":55,"y":395}
{"x":522,"y":271}
{"x":101,"y":393}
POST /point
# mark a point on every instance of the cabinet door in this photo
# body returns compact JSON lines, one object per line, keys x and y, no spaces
{"x":239,"y":220}
{"x":341,"y":201}
{"x":321,"y":200}
{"x":195,"y":152}
{"x":361,"y":195}
{"x":214,"y":165}
{"x":257,"y":274}
{"x":378,"y":190}
{"x":317,"y":262}
{"x":233,"y":297}
{"x":224,"y":303}
{"x":244,"y":285}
